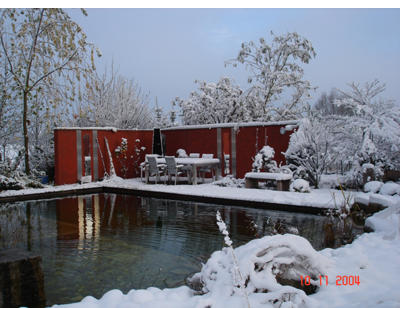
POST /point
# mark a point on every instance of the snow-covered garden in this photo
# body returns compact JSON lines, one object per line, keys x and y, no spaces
{"x":343,"y":156}
{"x":275,"y":271}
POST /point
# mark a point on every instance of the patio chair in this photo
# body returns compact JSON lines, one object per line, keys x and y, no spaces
{"x":156,"y":169}
{"x":174,"y":169}
{"x":204,"y":170}
{"x":143,"y":164}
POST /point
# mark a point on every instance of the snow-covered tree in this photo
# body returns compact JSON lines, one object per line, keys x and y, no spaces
{"x":278,"y":89}
{"x":309,"y":153}
{"x":219,"y":102}
{"x":111,"y":99}
{"x":41,"y":46}
{"x":9,"y":118}
{"x":364,"y":132}
{"x":373,"y":127}
{"x":327,"y":104}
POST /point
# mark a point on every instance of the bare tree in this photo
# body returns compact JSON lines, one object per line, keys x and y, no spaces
{"x":113,"y":100}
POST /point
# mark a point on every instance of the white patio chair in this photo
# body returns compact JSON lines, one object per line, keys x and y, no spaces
{"x":143,"y":164}
{"x":194,"y":155}
{"x":204,"y":170}
{"x":174,"y":169}
{"x":156,"y":169}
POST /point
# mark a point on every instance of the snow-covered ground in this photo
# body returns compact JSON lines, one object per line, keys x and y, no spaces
{"x":373,"y":258}
{"x":321,"y":198}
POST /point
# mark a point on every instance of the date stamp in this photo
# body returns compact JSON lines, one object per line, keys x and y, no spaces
{"x":341,"y":280}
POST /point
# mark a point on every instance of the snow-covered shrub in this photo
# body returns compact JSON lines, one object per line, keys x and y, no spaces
{"x":369,"y":164}
{"x":10,"y":184}
{"x":390,"y":188}
{"x":309,"y":154}
{"x":300,"y":185}
{"x":121,"y":152}
{"x":262,"y":262}
{"x":230,"y":181}
{"x":373,"y":186}
{"x":371,"y":130}
{"x":331,"y":181}
{"x":264,"y":160}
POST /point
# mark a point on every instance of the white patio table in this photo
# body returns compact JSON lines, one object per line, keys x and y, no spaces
{"x":194,"y":163}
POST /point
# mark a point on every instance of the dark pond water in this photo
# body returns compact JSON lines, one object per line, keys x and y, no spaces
{"x":92,"y":244}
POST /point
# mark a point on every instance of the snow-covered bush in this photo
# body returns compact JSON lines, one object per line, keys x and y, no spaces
{"x":265,"y":265}
{"x":390,"y":188}
{"x":10,"y":184}
{"x":373,"y":186}
{"x":370,"y":130}
{"x":309,"y":154}
{"x":12,"y":178}
{"x":230,"y":181}
{"x":300,"y":185}
{"x":121,"y":152}
{"x":368,"y":165}
{"x":264,"y":160}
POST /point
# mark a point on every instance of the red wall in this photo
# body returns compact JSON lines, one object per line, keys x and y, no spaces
{"x":65,"y":156}
{"x":114,"y":140}
{"x":66,"y":152}
{"x":203,"y":141}
{"x":249,"y":140}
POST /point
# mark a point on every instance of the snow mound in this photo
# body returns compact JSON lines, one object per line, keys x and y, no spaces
{"x":300,"y":185}
{"x":260,"y":263}
{"x":386,"y":222}
{"x":373,"y":186}
{"x":390,"y":188}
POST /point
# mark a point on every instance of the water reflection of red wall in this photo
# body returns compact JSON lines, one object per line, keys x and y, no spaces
{"x":67,"y":219}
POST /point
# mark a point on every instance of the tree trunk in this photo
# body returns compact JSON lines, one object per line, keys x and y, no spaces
{"x":26,"y":137}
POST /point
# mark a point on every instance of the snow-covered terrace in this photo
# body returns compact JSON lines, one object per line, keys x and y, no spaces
{"x":312,"y":202}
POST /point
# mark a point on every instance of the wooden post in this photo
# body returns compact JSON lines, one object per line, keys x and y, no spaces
{"x":21,"y":279}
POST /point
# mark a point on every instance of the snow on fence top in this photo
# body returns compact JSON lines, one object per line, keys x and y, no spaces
{"x":236,"y":125}
{"x":289,"y":127}
{"x":106,"y":128}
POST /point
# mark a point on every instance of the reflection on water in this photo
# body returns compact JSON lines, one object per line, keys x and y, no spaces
{"x":92,"y":244}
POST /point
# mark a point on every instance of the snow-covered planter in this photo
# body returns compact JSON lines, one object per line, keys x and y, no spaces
{"x":300,"y":185}
{"x":373,"y":186}
{"x":390,"y":188}
{"x":262,"y":262}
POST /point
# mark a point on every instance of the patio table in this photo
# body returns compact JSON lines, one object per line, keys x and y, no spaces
{"x":194,"y":163}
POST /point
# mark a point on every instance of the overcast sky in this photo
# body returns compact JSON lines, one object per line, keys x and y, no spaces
{"x":165,"y":50}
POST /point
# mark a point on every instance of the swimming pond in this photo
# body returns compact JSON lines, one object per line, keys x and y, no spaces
{"x":94,"y":243}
